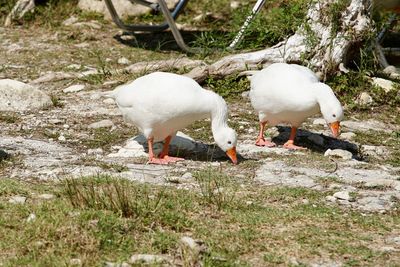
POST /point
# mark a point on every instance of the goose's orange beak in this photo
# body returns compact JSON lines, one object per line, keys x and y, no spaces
{"x":335,"y":128}
{"x":232,"y":155}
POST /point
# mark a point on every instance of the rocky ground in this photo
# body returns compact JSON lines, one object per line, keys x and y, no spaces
{"x":77,"y":132}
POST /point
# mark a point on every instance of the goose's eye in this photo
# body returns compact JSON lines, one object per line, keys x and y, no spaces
{"x":229,"y":142}
{"x":334,"y":115}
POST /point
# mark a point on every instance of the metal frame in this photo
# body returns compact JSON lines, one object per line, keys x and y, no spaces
{"x":170,"y":18}
{"x":169,"y":22}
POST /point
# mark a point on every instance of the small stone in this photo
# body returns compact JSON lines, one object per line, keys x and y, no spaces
{"x":364,"y":99}
{"x":124,"y":61}
{"x":305,"y":201}
{"x":387,"y":249}
{"x":46,"y":196}
{"x":75,"y":261}
{"x":187,"y":176}
{"x":235,"y":5}
{"x":340,"y":153}
{"x":347,"y":136}
{"x":95,"y":151}
{"x":319,"y":121}
{"x":196,"y":246}
{"x":74,"y":67}
{"x":386,"y":85}
{"x":330,"y":198}
{"x":74,"y":88}
{"x":394,"y":240}
{"x":31,"y":217}
{"x":55,"y":121}
{"x":374,"y":151}
{"x":248,"y":202}
{"x":70,"y":21}
{"x":390,"y":69}
{"x":245,"y":94}
{"x":109,"y":101}
{"x":101,"y":124}
{"x":343,"y":195}
{"x":62,"y":138}
{"x":17,"y":200}
{"x":147,"y":259}
{"x":316,"y":139}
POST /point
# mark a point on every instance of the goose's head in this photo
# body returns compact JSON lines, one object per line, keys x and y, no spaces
{"x":331,"y":108}
{"x":226,"y":139}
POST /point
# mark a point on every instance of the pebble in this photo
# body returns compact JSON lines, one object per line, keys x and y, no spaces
{"x":62,"y":138}
{"x":75,"y":261}
{"x":348,"y":136}
{"x":101,"y":124}
{"x":109,"y":101}
{"x":343,"y":195}
{"x":319,"y":121}
{"x":124,"y":61}
{"x":364,"y":99}
{"x":17,"y":200}
{"x":340,"y":153}
{"x":95,"y":151}
{"x":74,"y":88}
{"x":245,"y":94}
{"x":46,"y":196}
{"x":147,"y":259}
{"x":386,"y":85}
{"x":70,"y":21}
{"x":31,"y":217}
{"x":187,"y":176}
{"x":330,"y":198}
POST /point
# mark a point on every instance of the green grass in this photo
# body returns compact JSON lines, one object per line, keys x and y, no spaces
{"x":99,"y":219}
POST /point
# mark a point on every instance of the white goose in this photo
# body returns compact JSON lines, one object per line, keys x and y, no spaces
{"x":290,"y":93}
{"x":160,"y":104}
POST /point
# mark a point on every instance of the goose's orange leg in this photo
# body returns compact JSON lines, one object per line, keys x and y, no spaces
{"x":152,"y":158}
{"x":261,"y":140}
{"x":164,"y":152}
{"x":290,"y":143}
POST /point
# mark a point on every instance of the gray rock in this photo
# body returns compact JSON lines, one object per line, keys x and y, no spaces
{"x":124,"y":61}
{"x":372,"y":203}
{"x":195,"y":246}
{"x":61,"y":138}
{"x":382,"y":183}
{"x":187,"y":176}
{"x":95,"y":151}
{"x":339,"y":153}
{"x":31,"y":217}
{"x":148,"y":259}
{"x":364,"y":99}
{"x":330,"y":198}
{"x":393,"y":240}
{"x":101,"y":124}
{"x":364,"y":126}
{"x":75,"y":261}
{"x":74,"y":88}
{"x":18,"y":96}
{"x":375,"y":151}
{"x":46,"y":196}
{"x":245,"y":94}
{"x":349,"y":136}
{"x":53,"y":76}
{"x":71,"y":20}
{"x":319,"y":121}
{"x":386,"y":85}
{"x":343,"y":195}
{"x":124,"y":8}
{"x":17,"y":200}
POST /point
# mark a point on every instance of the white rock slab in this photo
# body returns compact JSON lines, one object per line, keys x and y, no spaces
{"x":19,"y":96}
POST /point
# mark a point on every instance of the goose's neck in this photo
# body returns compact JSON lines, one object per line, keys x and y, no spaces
{"x":219,"y":113}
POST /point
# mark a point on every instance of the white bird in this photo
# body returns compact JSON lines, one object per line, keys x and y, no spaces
{"x":290,"y":93}
{"x":160,"y":104}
